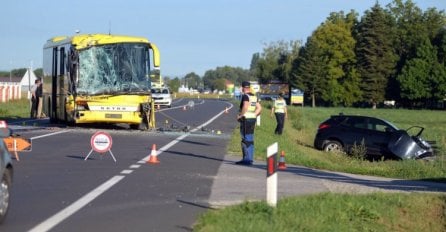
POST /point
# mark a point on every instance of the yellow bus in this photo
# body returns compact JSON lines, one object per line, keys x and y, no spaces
{"x":100,"y":78}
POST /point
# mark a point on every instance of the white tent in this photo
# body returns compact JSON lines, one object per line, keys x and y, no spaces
{"x":28,"y":79}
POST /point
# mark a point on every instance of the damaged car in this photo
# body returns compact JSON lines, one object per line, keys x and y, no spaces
{"x":381,"y":139}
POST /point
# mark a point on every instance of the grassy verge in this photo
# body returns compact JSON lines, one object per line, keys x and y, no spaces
{"x":15,"y":109}
{"x":340,"y":212}
{"x":300,"y":129}
{"x":332,"y":212}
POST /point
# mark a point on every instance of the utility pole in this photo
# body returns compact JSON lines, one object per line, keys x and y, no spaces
{"x":10,"y":71}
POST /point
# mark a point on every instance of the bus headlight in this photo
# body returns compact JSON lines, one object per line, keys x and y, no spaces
{"x":81,"y":106}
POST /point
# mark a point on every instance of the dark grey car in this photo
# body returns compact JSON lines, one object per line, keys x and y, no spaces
{"x":6,"y":172}
{"x":380,"y":137}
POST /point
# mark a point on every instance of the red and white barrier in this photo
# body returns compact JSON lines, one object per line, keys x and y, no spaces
{"x":10,"y":91}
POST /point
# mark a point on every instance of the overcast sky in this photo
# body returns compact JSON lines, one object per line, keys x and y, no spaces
{"x":192,"y":35}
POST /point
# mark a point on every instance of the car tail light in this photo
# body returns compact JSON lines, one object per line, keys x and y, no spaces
{"x":3,"y":124}
{"x":324,"y":126}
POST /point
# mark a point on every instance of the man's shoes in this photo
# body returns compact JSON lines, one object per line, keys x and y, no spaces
{"x":244,"y":162}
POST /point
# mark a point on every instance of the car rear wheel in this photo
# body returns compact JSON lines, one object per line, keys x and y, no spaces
{"x":5,"y":185}
{"x":333,"y":146}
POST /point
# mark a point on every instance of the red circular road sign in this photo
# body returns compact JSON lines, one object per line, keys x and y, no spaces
{"x":101,"y":142}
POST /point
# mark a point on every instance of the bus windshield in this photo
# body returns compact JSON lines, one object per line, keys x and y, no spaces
{"x":114,"y":69}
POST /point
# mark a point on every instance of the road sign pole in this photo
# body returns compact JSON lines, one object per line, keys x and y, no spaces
{"x":271,"y":175}
{"x":15,"y":151}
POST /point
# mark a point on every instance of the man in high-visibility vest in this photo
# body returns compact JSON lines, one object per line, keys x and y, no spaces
{"x":280,"y":110}
{"x":250,"y":108}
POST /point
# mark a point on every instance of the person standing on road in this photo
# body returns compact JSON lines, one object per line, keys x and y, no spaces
{"x":34,"y":100}
{"x":250,"y":108}
{"x":39,"y":94}
{"x":280,"y":110}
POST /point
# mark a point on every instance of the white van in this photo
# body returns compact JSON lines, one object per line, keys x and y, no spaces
{"x":162,"y":96}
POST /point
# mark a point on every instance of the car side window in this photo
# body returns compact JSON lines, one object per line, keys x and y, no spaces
{"x":356,"y":122}
{"x":377,"y":125}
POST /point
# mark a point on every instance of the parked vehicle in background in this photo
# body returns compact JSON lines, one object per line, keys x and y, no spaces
{"x":297,"y":97}
{"x":342,"y":133}
{"x":6,"y":172}
{"x":271,"y":91}
{"x":162,"y":96}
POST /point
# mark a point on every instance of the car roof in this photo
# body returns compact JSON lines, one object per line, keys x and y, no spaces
{"x":361,"y":116}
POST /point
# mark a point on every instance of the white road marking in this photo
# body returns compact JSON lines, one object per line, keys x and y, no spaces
{"x":54,"y":220}
{"x":126,"y":171}
{"x":135,"y":166}
{"x":77,"y":205}
{"x":50,"y":134}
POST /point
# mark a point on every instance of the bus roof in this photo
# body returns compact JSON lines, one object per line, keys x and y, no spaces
{"x":83,"y":41}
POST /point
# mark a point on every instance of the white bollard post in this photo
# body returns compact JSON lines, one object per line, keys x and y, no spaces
{"x":271,"y":175}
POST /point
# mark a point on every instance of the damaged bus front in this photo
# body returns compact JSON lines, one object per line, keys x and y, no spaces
{"x":100,"y":79}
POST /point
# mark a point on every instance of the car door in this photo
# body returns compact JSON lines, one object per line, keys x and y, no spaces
{"x":354,"y":132}
{"x":377,"y":136}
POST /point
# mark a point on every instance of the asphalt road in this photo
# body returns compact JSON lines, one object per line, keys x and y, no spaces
{"x":56,"y":189}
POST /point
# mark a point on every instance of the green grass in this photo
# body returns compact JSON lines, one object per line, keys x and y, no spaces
{"x":332,"y":212}
{"x":15,"y":109}
{"x":300,"y":130}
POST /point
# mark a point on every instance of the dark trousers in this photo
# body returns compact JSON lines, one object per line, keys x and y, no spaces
{"x":247,"y":133}
{"x":280,"y":119}
{"x":34,"y":103}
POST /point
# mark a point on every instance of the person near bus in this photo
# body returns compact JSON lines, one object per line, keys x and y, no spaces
{"x":39,"y":95}
{"x":250,"y":108}
{"x":34,"y":99}
{"x":279,"y":109}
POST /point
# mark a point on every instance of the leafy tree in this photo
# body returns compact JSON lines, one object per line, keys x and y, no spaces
{"x":234,"y":75}
{"x":309,"y":72}
{"x":254,"y":60}
{"x":336,"y":41}
{"x":413,"y":27}
{"x":423,"y":78}
{"x":174,"y":84}
{"x":439,"y":42}
{"x":220,"y":84}
{"x":39,"y":72}
{"x":434,"y":22}
{"x":410,"y":29}
{"x":192,"y":80}
{"x":276,"y":61}
{"x":376,"y":59}
{"x":18,"y":72}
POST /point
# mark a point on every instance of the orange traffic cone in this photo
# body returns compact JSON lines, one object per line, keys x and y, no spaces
{"x":153,"y":156}
{"x":282,"y":165}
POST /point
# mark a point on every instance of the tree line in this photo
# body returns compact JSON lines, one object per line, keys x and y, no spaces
{"x":19,"y":72}
{"x":396,"y":52}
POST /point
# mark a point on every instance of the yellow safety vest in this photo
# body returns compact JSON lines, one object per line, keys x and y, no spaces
{"x":279,"y":106}
{"x":252,"y":107}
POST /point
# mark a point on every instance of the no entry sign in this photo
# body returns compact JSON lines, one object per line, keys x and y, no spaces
{"x":101,"y":142}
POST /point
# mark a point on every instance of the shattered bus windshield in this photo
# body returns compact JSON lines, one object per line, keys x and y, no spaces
{"x":114,"y":69}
